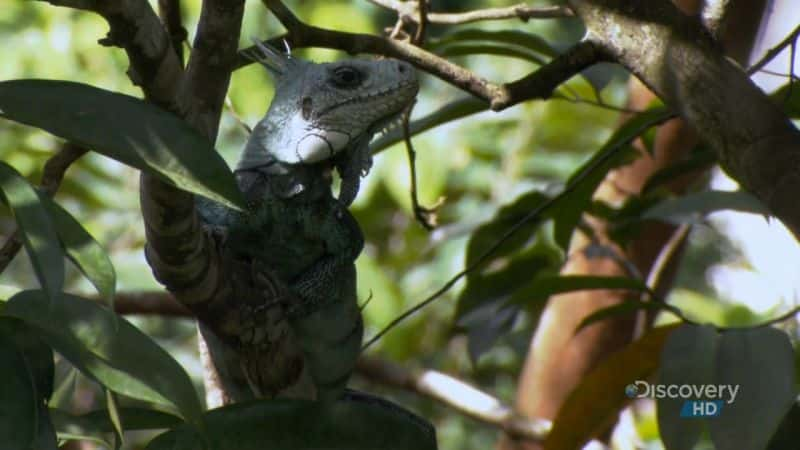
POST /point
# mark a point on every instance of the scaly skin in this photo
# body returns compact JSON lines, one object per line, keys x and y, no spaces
{"x":291,"y":255}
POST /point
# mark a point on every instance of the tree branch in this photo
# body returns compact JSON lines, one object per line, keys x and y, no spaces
{"x":523,"y":12}
{"x":52,"y":176}
{"x":538,"y":84}
{"x":170,"y":12}
{"x":455,"y":394}
{"x":676,"y":57}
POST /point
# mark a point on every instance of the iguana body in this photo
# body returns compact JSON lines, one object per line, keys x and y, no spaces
{"x":291,"y":255}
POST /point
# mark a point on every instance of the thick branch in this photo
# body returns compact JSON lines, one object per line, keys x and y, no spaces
{"x":170,"y":12}
{"x":675,"y":56}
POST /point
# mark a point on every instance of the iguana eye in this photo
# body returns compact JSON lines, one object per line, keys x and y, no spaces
{"x":346,"y":77}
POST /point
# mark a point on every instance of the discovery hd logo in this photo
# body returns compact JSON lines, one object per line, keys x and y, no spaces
{"x":700,"y":400}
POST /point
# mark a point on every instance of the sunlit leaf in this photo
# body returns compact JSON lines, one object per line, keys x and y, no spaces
{"x":96,"y":423}
{"x":83,"y":250}
{"x":687,"y":358}
{"x":692,"y":207}
{"x":36,"y":229}
{"x":527,"y":40}
{"x":357,"y":423}
{"x":595,"y":404}
{"x":761,"y":362}
{"x":124,"y":128}
{"x":570,"y":206}
{"x":457,"y":109}
{"x":489,"y":49}
{"x":108,"y":349}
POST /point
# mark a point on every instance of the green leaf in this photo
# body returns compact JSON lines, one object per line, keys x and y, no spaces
{"x":581,"y":186}
{"x":114,"y":417}
{"x":595,"y":404}
{"x":124,"y":128}
{"x":36,"y":230}
{"x":489,"y":49}
{"x":354,"y":423}
{"x":543,"y":287}
{"x":96,"y":423}
{"x":527,"y":40}
{"x":488,"y":234}
{"x":108,"y":349}
{"x":691,"y":207}
{"x":687,"y":358}
{"x":626,"y":307}
{"x":457,"y":109}
{"x":788,"y":96}
{"x":699,"y":159}
{"x":81,"y":248}
{"x":761,"y":362}
{"x":26,"y":372}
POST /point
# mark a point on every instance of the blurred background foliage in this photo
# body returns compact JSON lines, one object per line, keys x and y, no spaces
{"x":476,"y":165}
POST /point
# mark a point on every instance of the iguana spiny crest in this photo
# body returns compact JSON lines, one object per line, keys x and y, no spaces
{"x":328,"y":112}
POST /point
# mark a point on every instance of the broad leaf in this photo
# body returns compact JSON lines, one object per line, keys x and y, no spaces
{"x":594,"y":405}
{"x":527,"y":40}
{"x":124,"y":128}
{"x":508,"y":217}
{"x":358,"y":422}
{"x":81,"y":248}
{"x":687,"y":358}
{"x":96,"y":424}
{"x":581,"y":186}
{"x":36,"y":230}
{"x":761,"y":362}
{"x":545,"y":286}
{"x":108,"y":349}
{"x":692,"y":207}
{"x":26,"y":372}
{"x":457,"y":109}
{"x":626,"y":307}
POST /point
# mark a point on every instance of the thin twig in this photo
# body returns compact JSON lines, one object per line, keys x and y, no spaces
{"x":774,"y":51}
{"x":422,"y":22}
{"x":535,"y":214}
{"x":52,"y":176}
{"x":454,"y":394}
{"x":425,"y":216}
{"x":523,"y":12}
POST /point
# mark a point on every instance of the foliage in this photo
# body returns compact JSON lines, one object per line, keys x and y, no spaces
{"x":532,"y":169}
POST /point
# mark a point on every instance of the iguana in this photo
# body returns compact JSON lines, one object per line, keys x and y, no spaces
{"x":291,"y":254}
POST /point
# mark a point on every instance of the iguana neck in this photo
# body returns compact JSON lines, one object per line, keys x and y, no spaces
{"x":296,"y":182}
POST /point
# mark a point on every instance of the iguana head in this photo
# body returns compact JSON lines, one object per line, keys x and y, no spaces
{"x":328,"y":113}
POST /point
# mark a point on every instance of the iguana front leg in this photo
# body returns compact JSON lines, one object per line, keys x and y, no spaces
{"x":328,"y":323}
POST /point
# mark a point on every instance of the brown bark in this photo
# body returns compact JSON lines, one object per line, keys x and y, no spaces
{"x":558,"y":358}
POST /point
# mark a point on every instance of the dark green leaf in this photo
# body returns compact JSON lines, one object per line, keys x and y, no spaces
{"x":698,"y":160}
{"x":81,"y":248}
{"x":788,"y":434}
{"x":581,"y":186}
{"x":487,"y":235}
{"x":788,"y":96}
{"x":26,"y":372}
{"x":97,"y":422}
{"x":691,"y":207}
{"x":36,"y":230}
{"x":626,"y":307}
{"x":358,"y":422}
{"x":687,"y":358}
{"x":543,"y":287}
{"x":108,"y":349}
{"x":123,"y":128}
{"x":761,"y":362}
